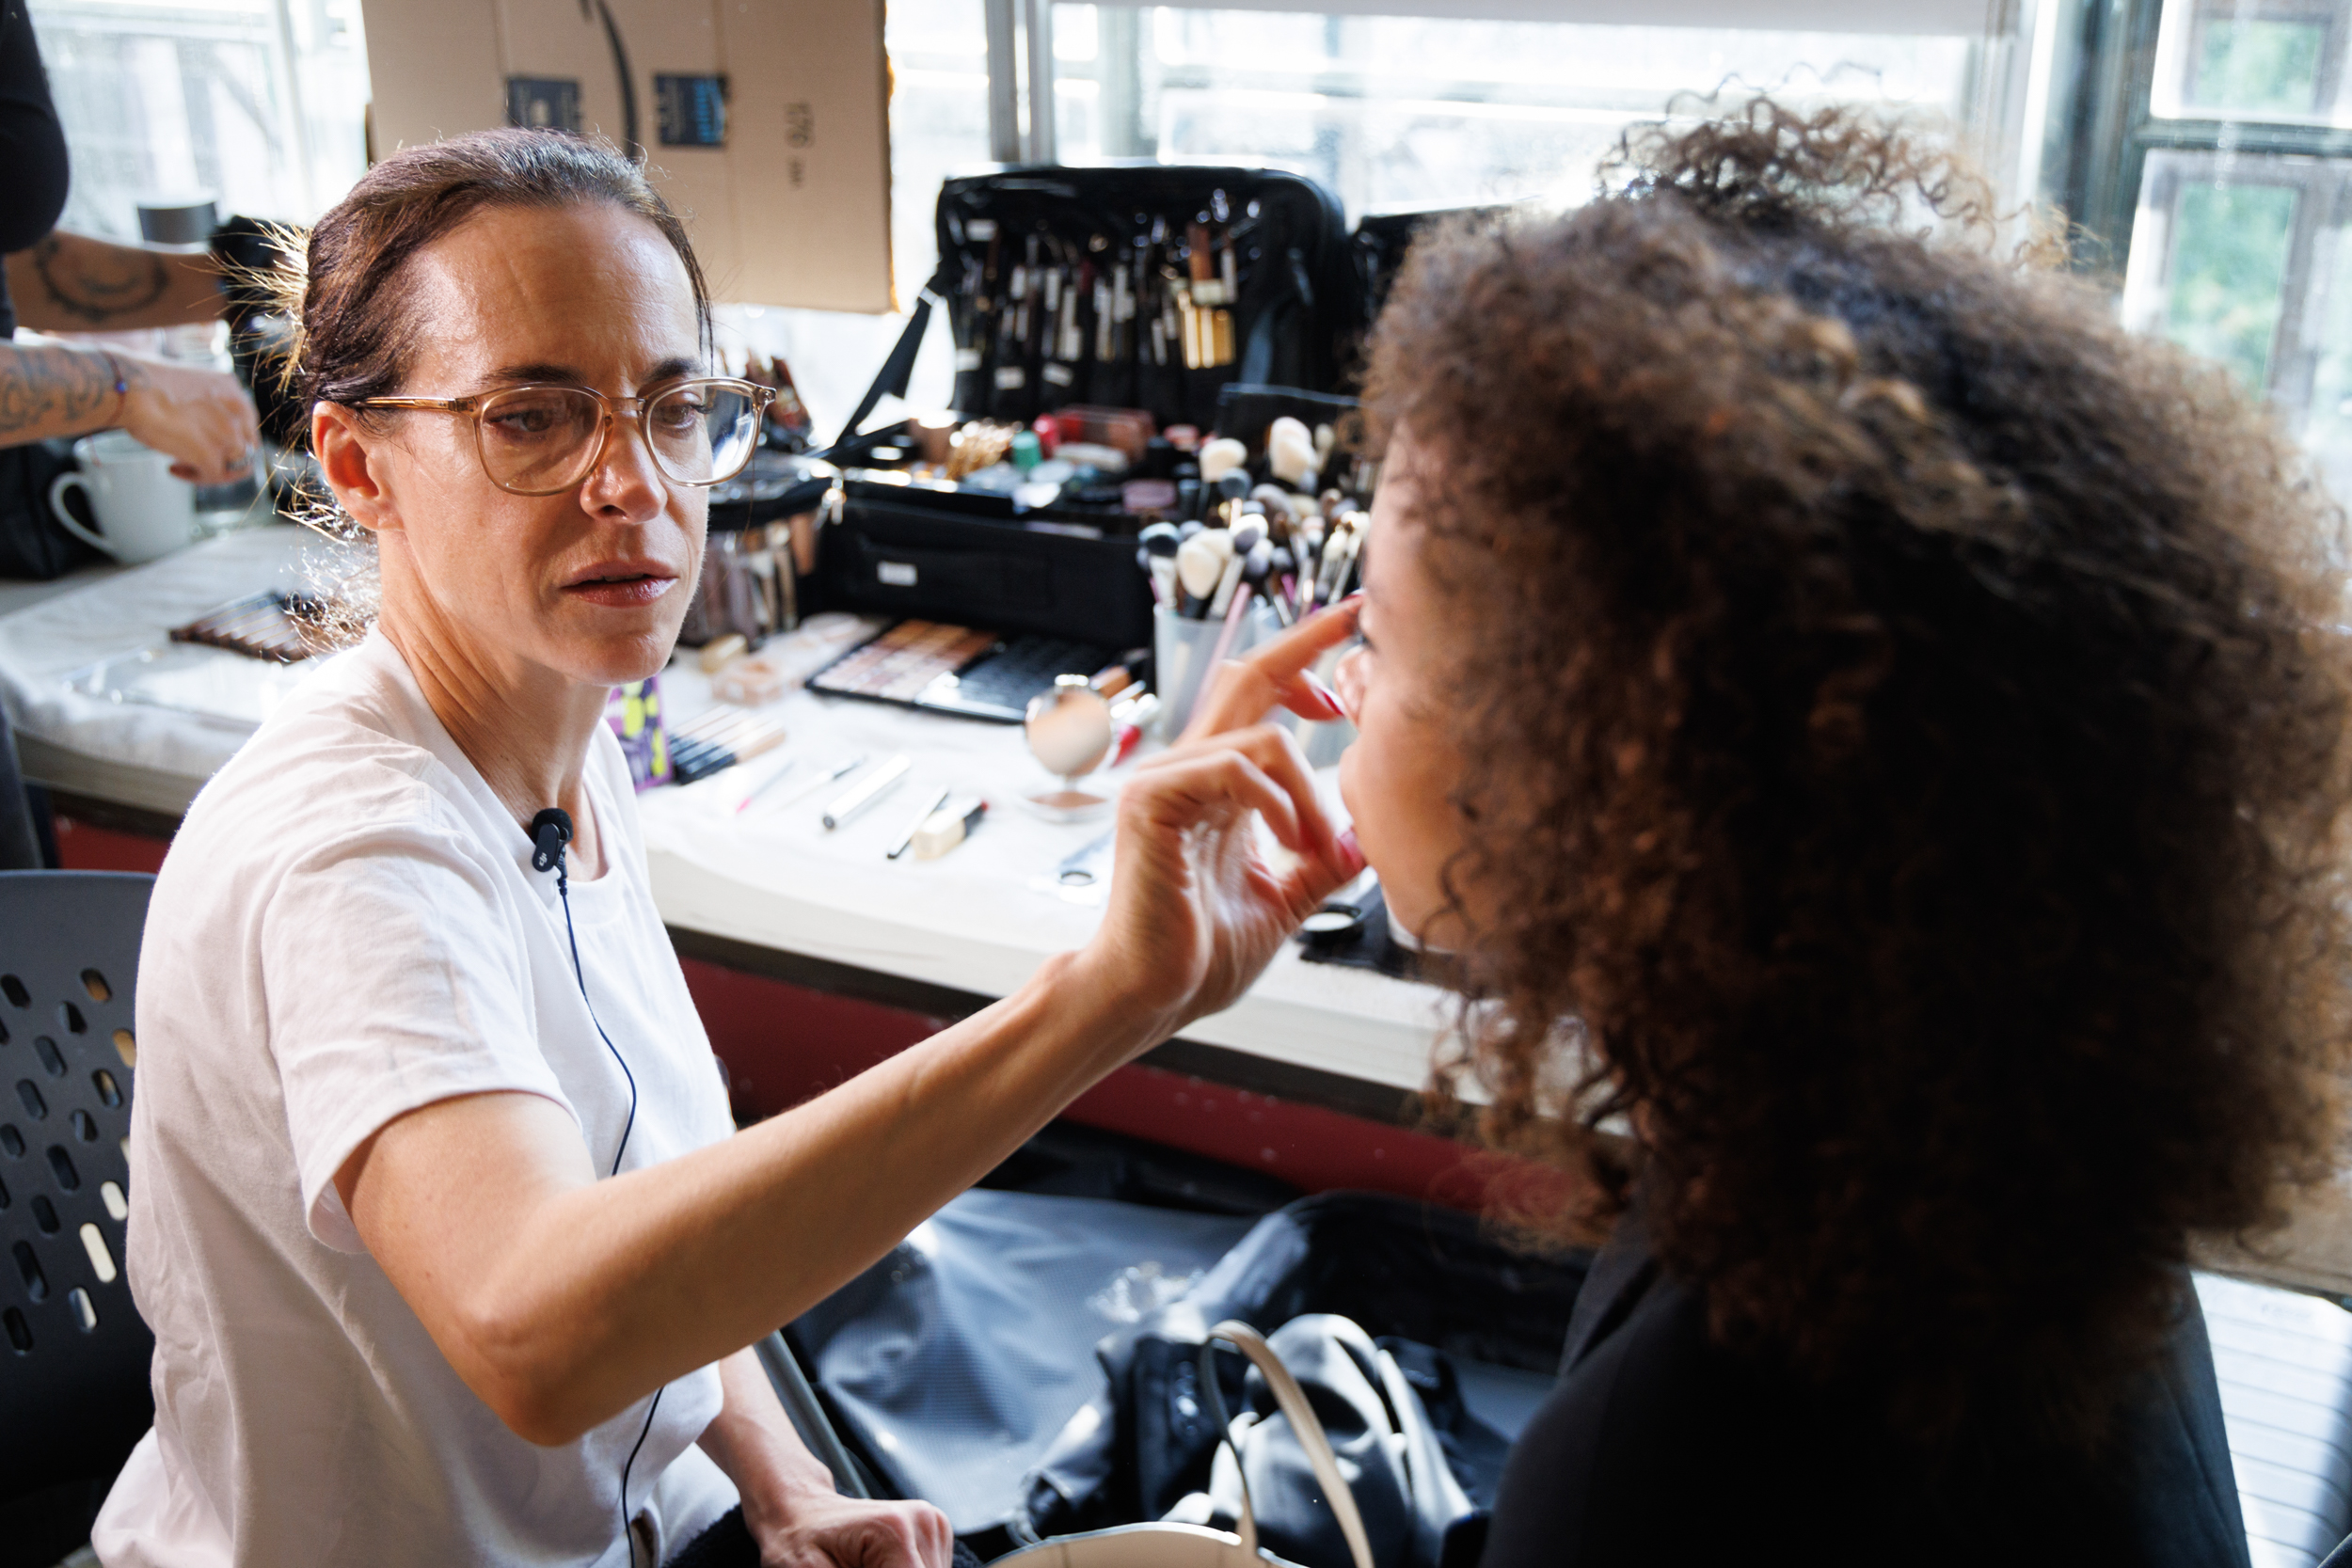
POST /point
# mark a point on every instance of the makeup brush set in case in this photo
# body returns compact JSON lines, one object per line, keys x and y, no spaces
{"x":1125,"y":338}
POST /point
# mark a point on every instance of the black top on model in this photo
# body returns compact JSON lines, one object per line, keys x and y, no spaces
{"x":1660,"y":1448}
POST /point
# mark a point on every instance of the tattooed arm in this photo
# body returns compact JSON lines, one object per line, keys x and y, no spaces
{"x":55,"y":392}
{"x":69,"y":282}
{"x":201,"y":417}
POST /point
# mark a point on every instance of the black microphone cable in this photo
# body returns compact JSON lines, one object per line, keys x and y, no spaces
{"x":550,"y":831}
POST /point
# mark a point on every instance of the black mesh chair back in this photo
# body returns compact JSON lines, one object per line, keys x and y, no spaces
{"x":73,"y":1354}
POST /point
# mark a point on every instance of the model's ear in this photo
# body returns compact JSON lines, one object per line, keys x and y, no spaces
{"x":349,"y":458}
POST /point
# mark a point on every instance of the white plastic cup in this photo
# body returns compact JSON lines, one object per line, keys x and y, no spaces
{"x":1181,"y":649}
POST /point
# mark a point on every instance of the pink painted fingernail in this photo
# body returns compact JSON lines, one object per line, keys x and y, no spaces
{"x":1351,"y":851}
{"x":1331,"y":699}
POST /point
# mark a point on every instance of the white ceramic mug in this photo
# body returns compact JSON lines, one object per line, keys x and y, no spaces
{"x":142,"y":511}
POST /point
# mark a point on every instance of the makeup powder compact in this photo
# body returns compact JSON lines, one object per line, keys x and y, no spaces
{"x":1342,"y":917}
{"x":1352,"y":930}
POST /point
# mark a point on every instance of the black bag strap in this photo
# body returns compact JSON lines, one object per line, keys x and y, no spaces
{"x":898,"y":369}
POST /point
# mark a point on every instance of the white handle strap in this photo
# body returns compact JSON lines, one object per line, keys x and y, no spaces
{"x":1292,"y":1400}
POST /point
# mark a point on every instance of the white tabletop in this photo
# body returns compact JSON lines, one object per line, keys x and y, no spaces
{"x":130,"y":754}
{"x":981,"y":918}
{"x":977,"y":921}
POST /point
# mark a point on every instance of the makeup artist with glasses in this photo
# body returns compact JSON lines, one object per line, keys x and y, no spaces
{"x":450,"y":1250}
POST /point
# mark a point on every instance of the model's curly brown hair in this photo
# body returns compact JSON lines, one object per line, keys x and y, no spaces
{"x":1906,"y":753}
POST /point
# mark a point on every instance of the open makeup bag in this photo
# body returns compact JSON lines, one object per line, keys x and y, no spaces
{"x":1166,"y":1544}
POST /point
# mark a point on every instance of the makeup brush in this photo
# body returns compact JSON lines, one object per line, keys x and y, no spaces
{"x":1233,"y":491}
{"x":1247,"y":575}
{"x":1221,"y":457}
{"x":1245,"y":536}
{"x":1336,"y":549}
{"x":1290,"y":450}
{"x":1281,"y":574}
{"x":1281,"y":509}
{"x":1262,"y":574}
{"x":1200,"y":566}
{"x":1156,"y":546}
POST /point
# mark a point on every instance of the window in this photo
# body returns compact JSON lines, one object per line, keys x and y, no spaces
{"x":1405,"y":113}
{"x":2206,"y":144}
{"x":2275,"y":61}
{"x":257,"y":103}
{"x":2214,"y":156}
{"x":938,"y":127}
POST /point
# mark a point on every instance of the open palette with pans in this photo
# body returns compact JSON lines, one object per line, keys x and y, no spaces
{"x":956,"y":669}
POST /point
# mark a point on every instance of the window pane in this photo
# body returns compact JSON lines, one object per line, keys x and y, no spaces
{"x":174,"y":100}
{"x":2328,"y":432}
{"x":2244,"y":259}
{"x":938,"y":118}
{"x":1411,"y":113}
{"x":2277,"y":61}
{"x":2259,"y":67}
{"x":2229,"y":270}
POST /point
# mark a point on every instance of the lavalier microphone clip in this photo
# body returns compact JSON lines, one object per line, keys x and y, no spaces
{"x":550,"y":832}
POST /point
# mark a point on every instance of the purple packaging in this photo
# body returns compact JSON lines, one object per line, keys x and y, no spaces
{"x":634,"y":711}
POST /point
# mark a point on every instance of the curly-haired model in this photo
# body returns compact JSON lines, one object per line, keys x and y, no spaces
{"x":1884,"y":735}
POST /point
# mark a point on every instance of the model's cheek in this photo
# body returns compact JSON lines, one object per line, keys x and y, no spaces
{"x":1367,"y":790}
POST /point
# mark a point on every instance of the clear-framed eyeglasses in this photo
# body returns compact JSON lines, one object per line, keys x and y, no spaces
{"x":542,"y":441}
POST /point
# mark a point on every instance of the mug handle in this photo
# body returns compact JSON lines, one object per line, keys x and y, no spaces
{"x":57,"y":506}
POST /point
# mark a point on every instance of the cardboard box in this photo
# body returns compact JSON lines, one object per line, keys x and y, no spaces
{"x":766,"y":122}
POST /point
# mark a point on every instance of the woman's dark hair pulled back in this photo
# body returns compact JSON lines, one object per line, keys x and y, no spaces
{"x":350,"y":300}
{"x":1906,"y":741}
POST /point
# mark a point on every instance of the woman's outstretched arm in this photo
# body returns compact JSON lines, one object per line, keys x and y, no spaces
{"x":562,"y":1299}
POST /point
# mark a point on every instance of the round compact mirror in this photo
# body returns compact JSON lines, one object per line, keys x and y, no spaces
{"x":1332,"y":926}
{"x":1069,"y":730}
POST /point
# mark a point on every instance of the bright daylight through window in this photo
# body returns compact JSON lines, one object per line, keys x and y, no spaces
{"x":2235,"y":162}
{"x":2238,"y":246}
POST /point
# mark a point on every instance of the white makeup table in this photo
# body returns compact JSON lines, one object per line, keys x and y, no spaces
{"x":769,"y":890}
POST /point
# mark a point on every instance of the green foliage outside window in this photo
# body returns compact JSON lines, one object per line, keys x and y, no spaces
{"x":2228,"y":267}
{"x":2259,"y":67}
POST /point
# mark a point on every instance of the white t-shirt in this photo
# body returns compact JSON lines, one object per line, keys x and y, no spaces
{"x":348,"y":927}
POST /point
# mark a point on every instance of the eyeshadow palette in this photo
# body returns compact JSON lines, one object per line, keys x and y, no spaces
{"x":956,"y":669}
{"x":281,"y":628}
{"x":718,"y":738}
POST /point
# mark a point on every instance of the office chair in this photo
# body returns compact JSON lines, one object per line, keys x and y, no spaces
{"x":73,"y":1354}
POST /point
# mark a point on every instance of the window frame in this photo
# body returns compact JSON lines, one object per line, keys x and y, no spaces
{"x":2107,"y":127}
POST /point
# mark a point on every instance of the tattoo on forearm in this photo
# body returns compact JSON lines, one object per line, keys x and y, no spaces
{"x":54,"y":392}
{"x":95,"y":287}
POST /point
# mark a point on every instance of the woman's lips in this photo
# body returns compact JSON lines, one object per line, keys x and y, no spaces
{"x":622,"y":592}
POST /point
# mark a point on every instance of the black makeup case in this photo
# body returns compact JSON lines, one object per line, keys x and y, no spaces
{"x":1207,"y":296}
{"x":1074,"y":286}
